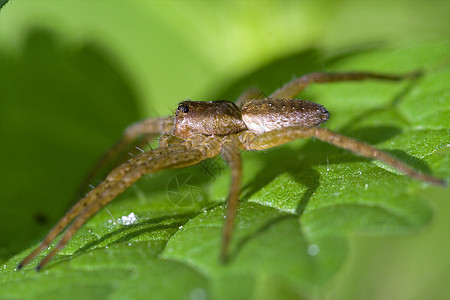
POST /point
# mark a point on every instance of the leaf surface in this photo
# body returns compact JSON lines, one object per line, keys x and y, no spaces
{"x":300,"y":202}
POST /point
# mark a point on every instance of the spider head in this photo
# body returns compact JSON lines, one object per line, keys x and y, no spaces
{"x":182,"y":107}
{"x":207,"y":118}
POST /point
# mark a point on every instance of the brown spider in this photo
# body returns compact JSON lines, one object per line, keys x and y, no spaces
{"x":201,"y":130}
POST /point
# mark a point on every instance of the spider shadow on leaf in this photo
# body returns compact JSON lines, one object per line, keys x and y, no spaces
{"x":125,"y":233}
{"x":300,"y":163}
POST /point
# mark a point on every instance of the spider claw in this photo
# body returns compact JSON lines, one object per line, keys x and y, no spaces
{"x":43,"y":263}
{"x":223,"y":260}
{"x":438,"y":181}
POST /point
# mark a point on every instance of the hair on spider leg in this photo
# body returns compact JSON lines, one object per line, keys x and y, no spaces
{"x":204,"y":130}
{"x":142,"y":151}
{"x":113,"y":220}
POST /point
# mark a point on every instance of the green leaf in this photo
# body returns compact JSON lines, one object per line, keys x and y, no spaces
{"x":2,"y":3}
{"x":301,"y":202}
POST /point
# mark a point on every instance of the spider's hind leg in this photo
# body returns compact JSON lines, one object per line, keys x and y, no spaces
{"x":277,"y":137}
{"x":297,"y":85}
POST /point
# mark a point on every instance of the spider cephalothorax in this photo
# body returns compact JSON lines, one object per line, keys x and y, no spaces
{"x":207,"y":118}
{"x":200,"y":130}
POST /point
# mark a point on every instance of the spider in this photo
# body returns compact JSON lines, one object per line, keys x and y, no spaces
{"x":201,"y":130}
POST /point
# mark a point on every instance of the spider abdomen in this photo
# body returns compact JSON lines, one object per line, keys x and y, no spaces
{"x":269,"y":114}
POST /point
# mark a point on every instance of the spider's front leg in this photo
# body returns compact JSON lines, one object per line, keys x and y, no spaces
{"x":280,"y":136}
{"x":231,"y":153}
{"x":136,"y":135}
{"x":115,"y":183}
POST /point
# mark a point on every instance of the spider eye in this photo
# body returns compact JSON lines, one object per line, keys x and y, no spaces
{"x":183,"y":108}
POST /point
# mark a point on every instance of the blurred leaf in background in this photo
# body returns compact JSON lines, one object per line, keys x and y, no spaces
{"x":2,"y":3}
{"x":73,"y":75}
{"x":57,"y":104}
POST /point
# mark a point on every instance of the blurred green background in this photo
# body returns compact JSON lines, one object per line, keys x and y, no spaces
{"x":73,"y":74}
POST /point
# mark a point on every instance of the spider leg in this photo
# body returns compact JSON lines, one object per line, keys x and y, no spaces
{"x":230,"y":152}
{"x":277,"y":137}
{"x":250,"y":94}
{"x":297,"y":85}
{"x":136,"y":135}
{"x":115,"y":183}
